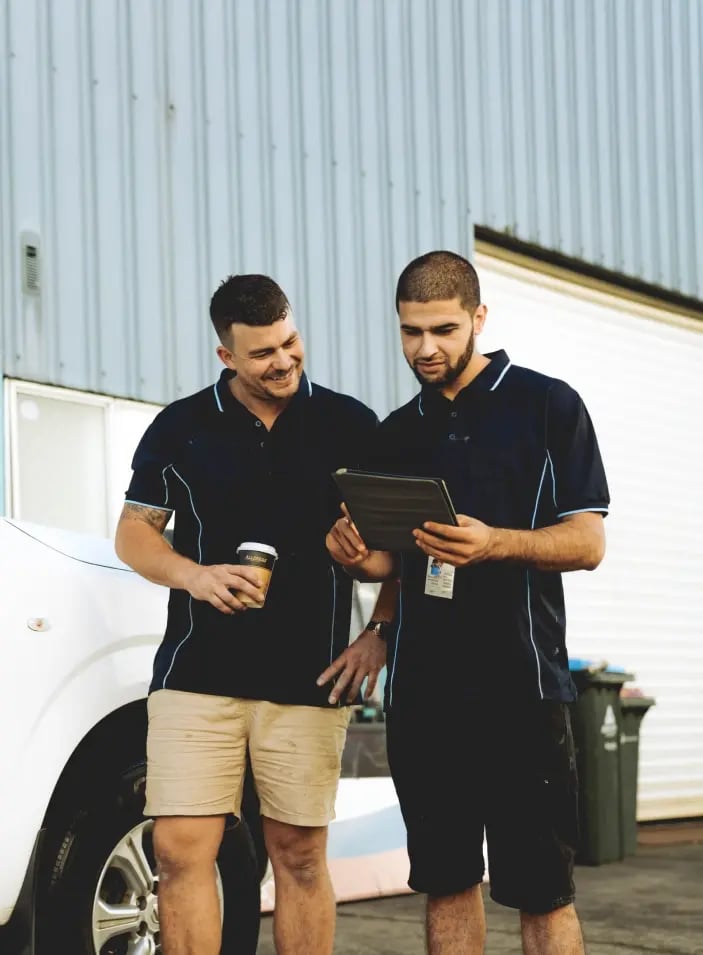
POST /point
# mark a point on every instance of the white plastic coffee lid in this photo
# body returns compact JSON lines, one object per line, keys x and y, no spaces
{"x":253,"y":545}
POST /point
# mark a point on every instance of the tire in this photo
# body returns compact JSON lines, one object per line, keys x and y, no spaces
{"x":102,"y":854}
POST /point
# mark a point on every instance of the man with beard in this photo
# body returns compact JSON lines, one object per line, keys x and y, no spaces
{"x":478,"y":691}
{"x":247,"y":459}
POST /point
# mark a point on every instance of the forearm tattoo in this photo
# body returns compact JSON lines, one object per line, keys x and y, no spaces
{"x":154,"y":516}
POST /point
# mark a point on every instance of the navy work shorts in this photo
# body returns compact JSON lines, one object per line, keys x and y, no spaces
{"x":504,"y":769}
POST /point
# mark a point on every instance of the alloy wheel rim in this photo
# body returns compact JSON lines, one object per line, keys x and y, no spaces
{"x":125,"y":918}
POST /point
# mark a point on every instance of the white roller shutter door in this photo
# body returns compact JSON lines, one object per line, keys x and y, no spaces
{"x":641,"y":376}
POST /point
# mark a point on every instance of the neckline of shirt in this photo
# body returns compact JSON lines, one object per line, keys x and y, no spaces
{"x":488,"y":379}
{"x":226,"y":403}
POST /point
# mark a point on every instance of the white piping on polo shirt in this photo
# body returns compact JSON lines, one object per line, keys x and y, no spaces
{"x":397,"y":634}
{"x":156,"y":507}
{"x":219,"y":403}
{"x":527,"y":576}
{"x":554,"y":480}
{"x":585,"y":510}
{"x":334,"y":610}
{"x":577,"y":510}
{"x":163,"y":476}
{"x":190,"y":598}
{"x":500,"y":377}
{"x":492,"y":388}
{"x":580,"y":510}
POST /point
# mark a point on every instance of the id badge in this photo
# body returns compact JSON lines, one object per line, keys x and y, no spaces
{"x":439,"y":580}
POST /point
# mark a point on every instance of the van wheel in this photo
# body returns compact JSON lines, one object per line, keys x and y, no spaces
{"x":99,"y":895}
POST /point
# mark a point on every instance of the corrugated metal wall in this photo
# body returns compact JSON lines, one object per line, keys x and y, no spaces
{"x":156,"y":145}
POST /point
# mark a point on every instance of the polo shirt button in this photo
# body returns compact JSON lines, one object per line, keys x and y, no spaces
{"x":258,"y":424}
{"x":452,"y":437}
{"x":454,"y":414}
{"x":263,"y":444}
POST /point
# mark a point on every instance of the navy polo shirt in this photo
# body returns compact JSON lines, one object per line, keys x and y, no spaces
{"x":229,"y":480}
{"x":517,"y":450}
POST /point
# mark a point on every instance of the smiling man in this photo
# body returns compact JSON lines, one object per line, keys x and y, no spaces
{"x":247,"y":459}
{"x":478,"y":692}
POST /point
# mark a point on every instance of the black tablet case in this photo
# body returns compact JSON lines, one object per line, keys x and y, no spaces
{"x":387,"y":507}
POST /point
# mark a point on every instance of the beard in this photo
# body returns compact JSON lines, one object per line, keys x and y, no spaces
{"x":451,"y":372}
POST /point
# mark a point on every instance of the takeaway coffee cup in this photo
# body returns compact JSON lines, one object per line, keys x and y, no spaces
{"x":261,"y":556}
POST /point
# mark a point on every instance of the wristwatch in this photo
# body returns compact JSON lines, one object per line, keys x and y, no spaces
{"x":379,"y":627}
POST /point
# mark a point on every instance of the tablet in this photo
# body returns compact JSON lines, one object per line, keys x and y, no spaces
{"x":386,"y":508}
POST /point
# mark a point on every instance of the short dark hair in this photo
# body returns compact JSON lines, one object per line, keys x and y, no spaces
{"x":437,"y":276}
{"x":247,"y":300}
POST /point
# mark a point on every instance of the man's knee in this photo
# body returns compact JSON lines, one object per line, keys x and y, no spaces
{"x":184,"y":843}
{"x":559,"y":911}
{"x":541,"y":930}
{"x":299,"y":851}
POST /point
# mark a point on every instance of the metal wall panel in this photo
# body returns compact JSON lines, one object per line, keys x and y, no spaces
{"x":157,"y":145}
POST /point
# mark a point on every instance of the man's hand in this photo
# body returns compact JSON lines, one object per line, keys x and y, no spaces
{"x":470,"y":542}
{"x":345,"y":546}
{"x":365,"y":657}
{"x":140,"y":543}
{"x":576,"y":542}
{"x":215,"y":583}
{"x":344,"y":542}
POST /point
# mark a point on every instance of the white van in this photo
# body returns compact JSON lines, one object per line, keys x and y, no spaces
{"x":78,"y":631}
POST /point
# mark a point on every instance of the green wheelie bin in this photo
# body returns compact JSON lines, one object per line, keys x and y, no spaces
{"x":633,"y":708}
{"x":597,"y":726}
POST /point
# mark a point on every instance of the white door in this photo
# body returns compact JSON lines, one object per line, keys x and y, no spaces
{"x":640,"y":373}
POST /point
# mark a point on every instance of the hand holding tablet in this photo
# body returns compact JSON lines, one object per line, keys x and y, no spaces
{"x":386,"y":508}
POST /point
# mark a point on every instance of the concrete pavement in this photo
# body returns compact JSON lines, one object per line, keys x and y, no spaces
{"x":649,"y":904}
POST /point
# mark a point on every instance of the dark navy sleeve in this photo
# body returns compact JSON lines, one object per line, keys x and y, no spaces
{"x":151,"y":466}
{"x":578,"y":477}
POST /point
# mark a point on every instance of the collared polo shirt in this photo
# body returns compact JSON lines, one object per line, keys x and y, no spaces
{"x":517,"y":449}
{"x":229,"y":480}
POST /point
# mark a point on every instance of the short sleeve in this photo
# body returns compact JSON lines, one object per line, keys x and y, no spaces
{"x":151,"y":465}
{"x":578,"y":476}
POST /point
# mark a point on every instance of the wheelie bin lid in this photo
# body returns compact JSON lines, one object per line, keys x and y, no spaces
{"x":578,"y":663}
{"x":588,"y":673}
{"x":637,"y":702}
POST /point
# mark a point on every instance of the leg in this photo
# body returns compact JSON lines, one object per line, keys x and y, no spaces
{"x":296,"y":755}
{"x":443,"y":815}
{"x":304,"y":917}
{"x":456,"y":924}
{"x":532,"y":827}
{"x":189,"y":909}
{"x":556,"y":933}
{"x":196,"y":755}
